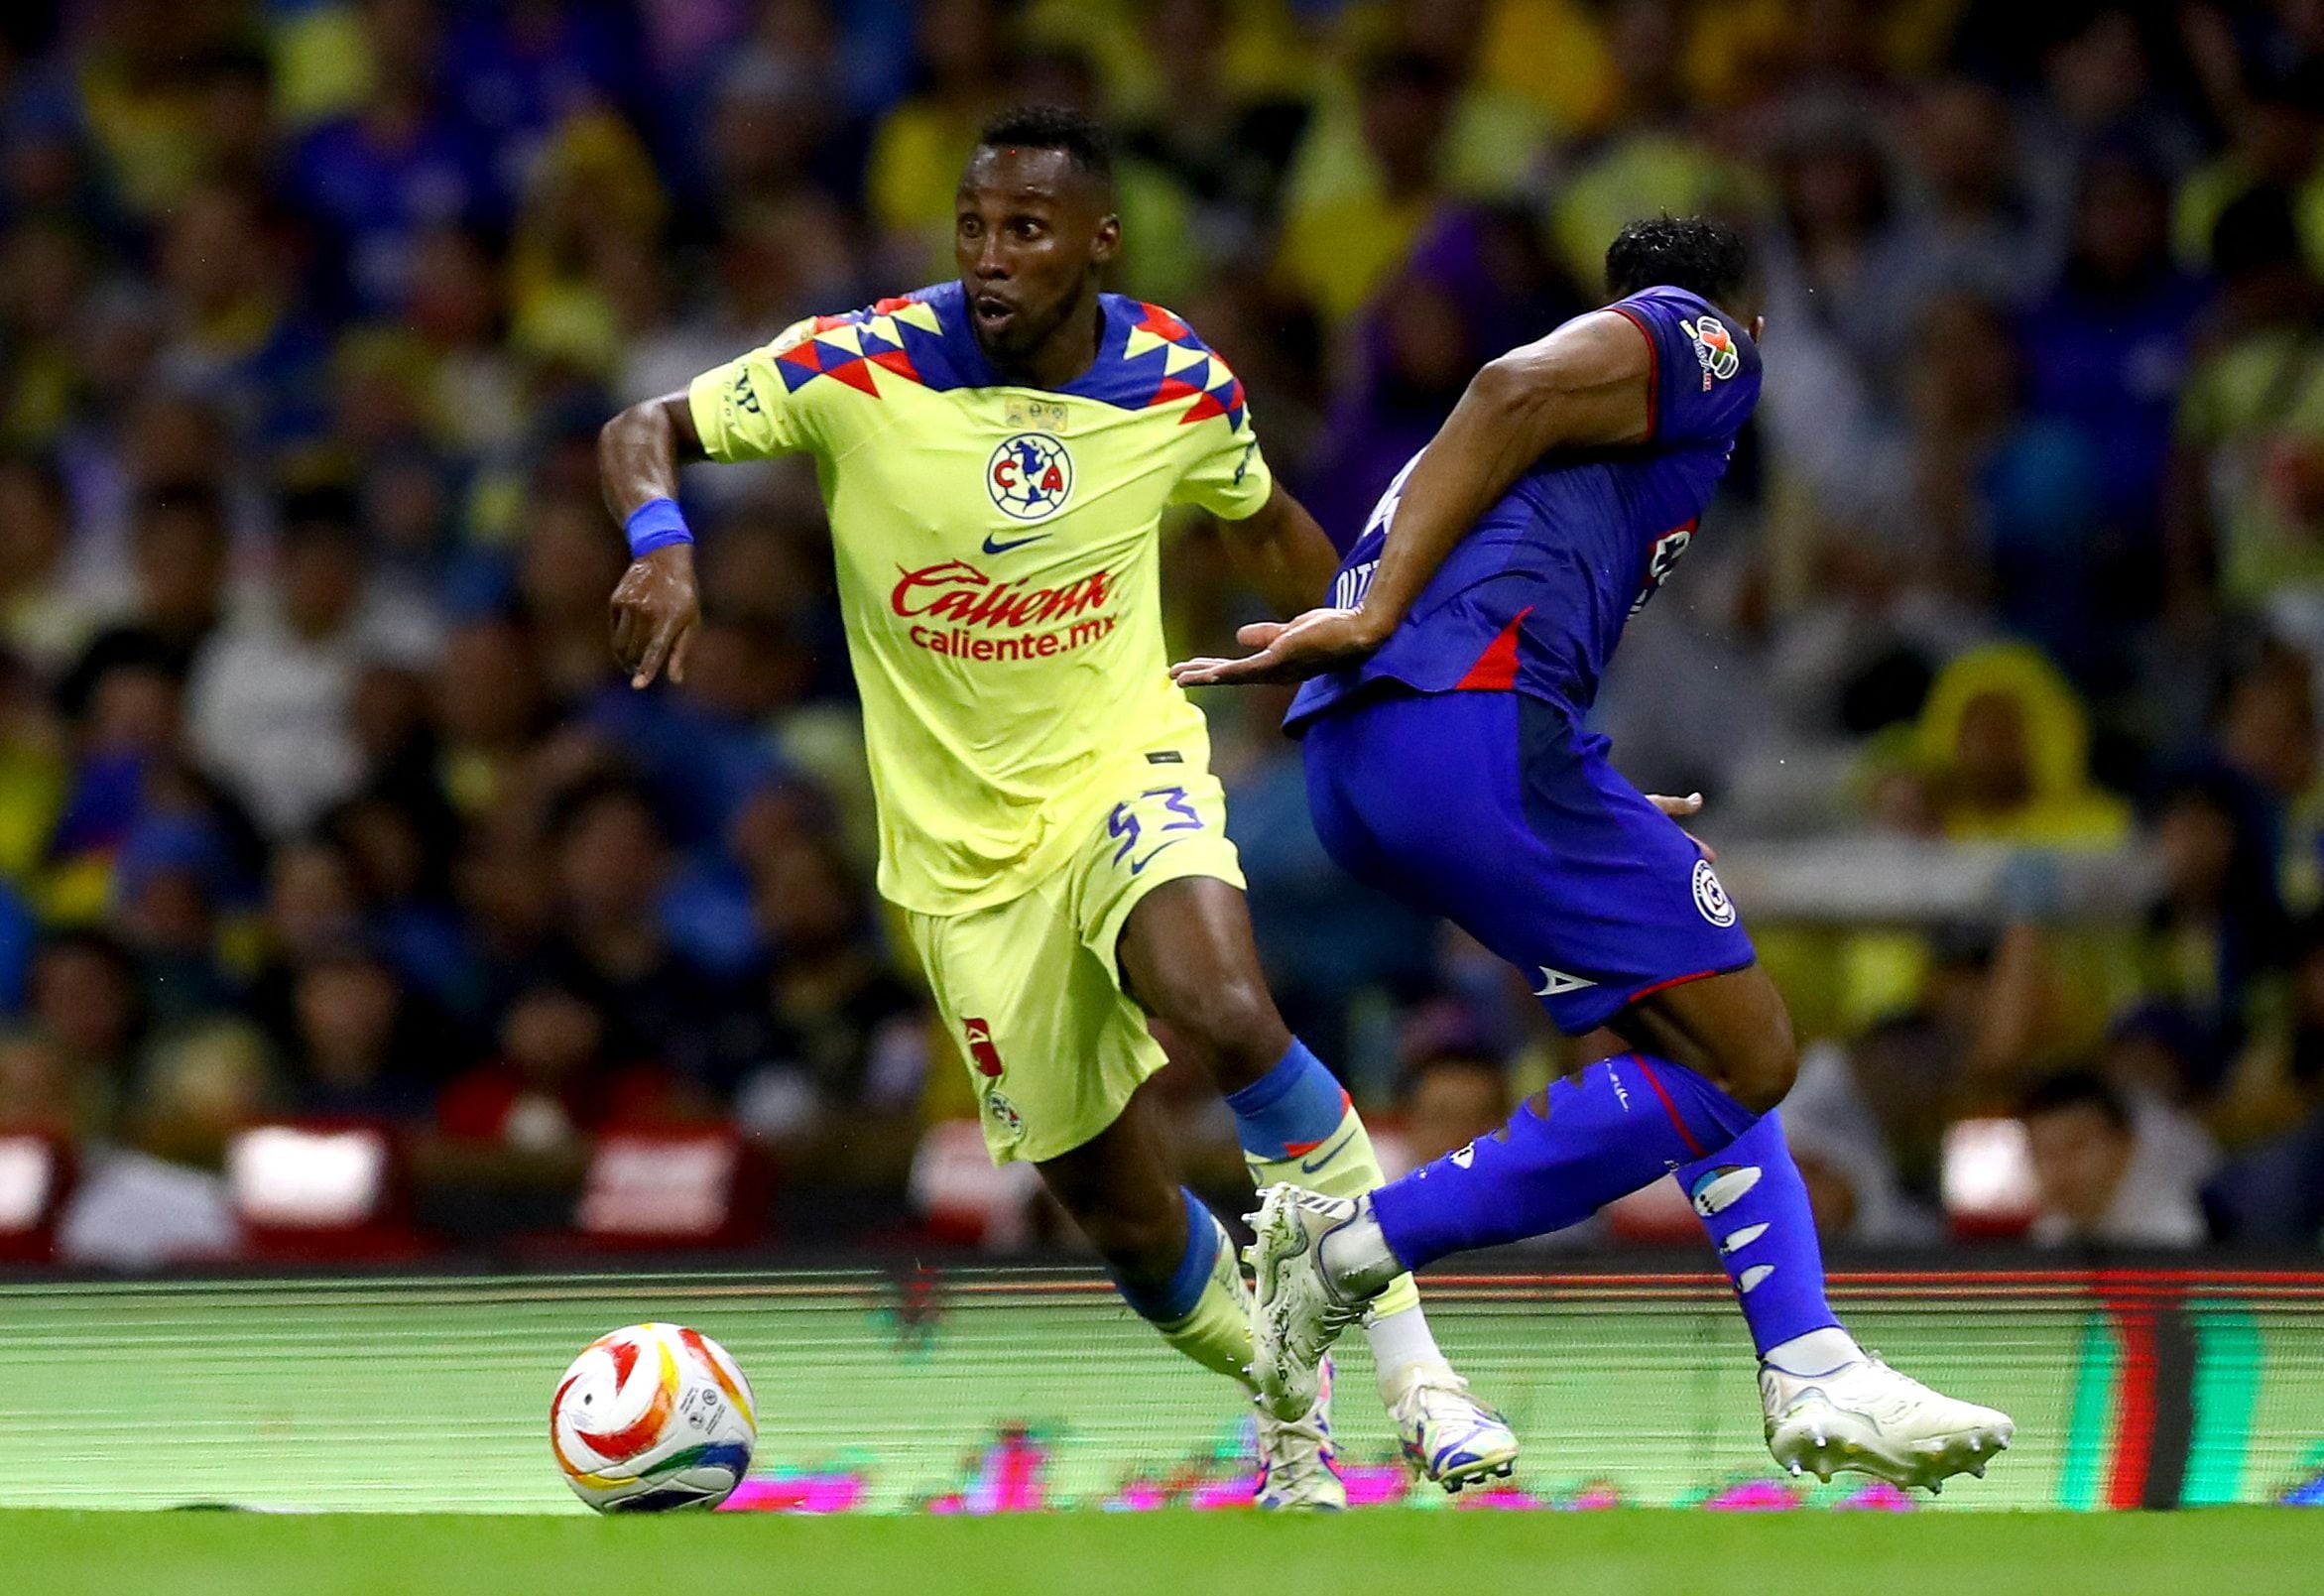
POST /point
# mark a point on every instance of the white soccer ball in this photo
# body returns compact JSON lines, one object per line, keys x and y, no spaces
{"x":652,"y":1417}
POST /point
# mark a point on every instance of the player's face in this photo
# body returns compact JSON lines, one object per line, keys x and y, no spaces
{"x":1030,"y":232}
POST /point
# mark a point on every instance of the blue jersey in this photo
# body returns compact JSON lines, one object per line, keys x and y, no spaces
{"x":1535,"y":596}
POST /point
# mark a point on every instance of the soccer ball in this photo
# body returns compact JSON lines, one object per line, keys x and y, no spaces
{"x":653,"y":1418}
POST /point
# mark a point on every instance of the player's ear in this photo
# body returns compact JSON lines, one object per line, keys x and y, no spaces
{"x":1759,"y":327}
{"x":1108,"y":242}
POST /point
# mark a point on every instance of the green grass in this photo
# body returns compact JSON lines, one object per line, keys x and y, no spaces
{"x":1649,"y":1552}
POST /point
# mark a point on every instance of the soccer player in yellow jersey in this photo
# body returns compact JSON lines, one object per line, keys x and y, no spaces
{"x":996,"y":454}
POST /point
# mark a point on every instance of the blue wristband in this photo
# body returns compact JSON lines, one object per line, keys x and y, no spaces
{"x":656,"y":524}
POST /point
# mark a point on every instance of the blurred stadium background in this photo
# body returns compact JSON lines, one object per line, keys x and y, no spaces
{"x":355,"y":918}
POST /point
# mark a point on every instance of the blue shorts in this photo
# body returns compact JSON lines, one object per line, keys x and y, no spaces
{"x":1495,"y":811}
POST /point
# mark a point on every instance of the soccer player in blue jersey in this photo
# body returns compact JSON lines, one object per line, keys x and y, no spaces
{"x":1449,"y":762}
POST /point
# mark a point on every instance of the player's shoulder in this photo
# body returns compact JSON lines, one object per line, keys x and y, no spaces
{"x":1720,"y":346}
{"x":914,"y":340}
{"x":1151,"y":358}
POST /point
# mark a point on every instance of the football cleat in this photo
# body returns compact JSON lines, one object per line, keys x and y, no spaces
{"x":1297,"y":1463}
{"x":1296,"y":1314}
{"x":1447,"y":1434}
{"x":1867,"y":1417}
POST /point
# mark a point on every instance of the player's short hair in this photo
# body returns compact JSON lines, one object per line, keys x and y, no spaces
{"x":1694,"y":253}
{"x":1055,"y":127}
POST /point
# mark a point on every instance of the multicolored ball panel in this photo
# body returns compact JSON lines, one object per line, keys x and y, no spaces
{"x":653,"y":1417}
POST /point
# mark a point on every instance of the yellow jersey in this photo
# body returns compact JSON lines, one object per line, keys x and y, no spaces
{"x":998,"y":555}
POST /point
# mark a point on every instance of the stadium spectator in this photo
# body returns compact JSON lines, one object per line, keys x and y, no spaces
{"x":2105,"y":352}
{"x":1855,"y":1113}
{"x":82,"y":993}
{"x":958,"y":51}
{"x":271,"y":704}
{"x":2279,"y":1081}
{"x":612,"y":867}
{"x":2212,"y":938}
{"x":155,"y":1197}
{"x":2106,"y":1179}
{"x":2003,"y":750}
{"x":358,"y":1044}
{"x":1648,"y":153}
{"x":37,"y":1091}
{"x":839,"y":1059}
{"x":179,"y":547}
{"x":40,"y":618}
{"x":402,"y":161}
{"x":1227,"y":143}
{"x":2249,"y":486}
{"x":1343,"y":240}
{"x":1450,"y":1099}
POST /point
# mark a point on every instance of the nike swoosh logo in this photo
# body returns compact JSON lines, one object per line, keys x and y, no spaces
{"x":1136,"y":865}
{"x":1311,"y":1166}
{"x":992,"y":547}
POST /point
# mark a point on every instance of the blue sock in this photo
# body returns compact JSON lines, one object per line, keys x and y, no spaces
{"x":1291,"y":1109}
{"x":1753,"y":1206}
{"x":1622,"y":1124}
{"x":1166,"y":1302}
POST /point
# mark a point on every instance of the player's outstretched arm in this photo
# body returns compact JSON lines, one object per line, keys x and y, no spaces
{"x":656,"y":606}
{"x":1281,"y":552}
{"x":1587,"y":385}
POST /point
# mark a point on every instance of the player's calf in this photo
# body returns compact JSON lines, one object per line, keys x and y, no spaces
{"x":1188,"y":957}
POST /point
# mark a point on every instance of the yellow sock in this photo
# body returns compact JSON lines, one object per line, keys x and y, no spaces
{"x":1217,"y":1333}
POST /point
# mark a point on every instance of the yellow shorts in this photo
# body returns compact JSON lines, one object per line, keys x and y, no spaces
{"x":1031,"y":988}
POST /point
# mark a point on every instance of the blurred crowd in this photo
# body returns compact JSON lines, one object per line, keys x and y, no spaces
{"x":320,"y":801}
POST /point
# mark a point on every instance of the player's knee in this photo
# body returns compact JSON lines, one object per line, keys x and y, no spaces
{"x":1232,"y":1028}
{"x":1760,"y":1069}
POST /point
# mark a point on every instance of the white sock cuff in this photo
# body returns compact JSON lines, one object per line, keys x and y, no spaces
{"x":1399,"y":1341}
{"x":1818,"y":1352}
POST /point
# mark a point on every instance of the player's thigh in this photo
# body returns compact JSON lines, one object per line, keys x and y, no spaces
{"x":1161,"y":824}
{"x":1159,"y":892}
{"x":1731,"y":1028}
{"x":1054,"y":1048}
{"x":1630,"y":892}
{"x":1494,"y":810}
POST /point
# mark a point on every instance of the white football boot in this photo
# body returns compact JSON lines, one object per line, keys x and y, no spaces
{"x":1296,"y":1459}
{"x":1448,"y":1435}
{"x":1866,"y":1416}
{"x":1297,"y":1313}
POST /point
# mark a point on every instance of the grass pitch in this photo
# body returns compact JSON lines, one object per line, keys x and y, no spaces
{"x":1630,"y":1552}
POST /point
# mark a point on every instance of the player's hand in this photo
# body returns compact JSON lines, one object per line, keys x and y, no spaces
{"x":1682,"y":808}
{"x":1288,"y":651}
{"x":656,"y":610}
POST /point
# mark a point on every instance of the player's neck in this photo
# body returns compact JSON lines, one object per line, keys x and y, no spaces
{"x":1069,"y":350}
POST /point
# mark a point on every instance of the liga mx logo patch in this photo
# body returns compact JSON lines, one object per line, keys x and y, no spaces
{"x":1030,"y":476}
{"x":1710,"y":896}
{"x":1714,"y":348}
{"x":1007,"y":1121}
